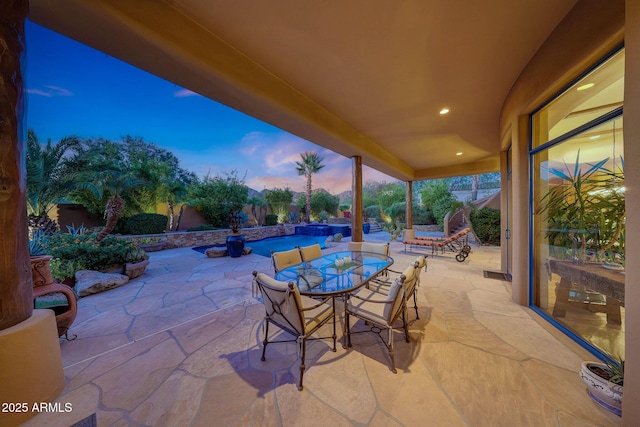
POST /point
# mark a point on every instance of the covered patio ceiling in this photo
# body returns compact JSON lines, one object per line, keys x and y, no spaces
{"x":360,"y":77}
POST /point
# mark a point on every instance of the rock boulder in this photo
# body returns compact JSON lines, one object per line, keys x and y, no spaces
{"x":92,"y":282}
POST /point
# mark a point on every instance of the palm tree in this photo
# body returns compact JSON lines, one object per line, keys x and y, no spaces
{"x":257,"y":203}
{"x":475,"y":184}
{"x":101,"y":170}
{"x":47,"y":181}
{"x":311,"y":163}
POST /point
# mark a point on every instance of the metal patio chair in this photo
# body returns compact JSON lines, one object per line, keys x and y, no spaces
{"x":295,"y":314}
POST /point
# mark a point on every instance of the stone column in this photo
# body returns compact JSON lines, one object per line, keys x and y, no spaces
{"x":30,"y":359}
{"x":16,"y":293}
{"x":356,"y":199}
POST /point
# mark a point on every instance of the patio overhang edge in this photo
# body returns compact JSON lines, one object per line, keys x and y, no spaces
{"x":167,"y":43}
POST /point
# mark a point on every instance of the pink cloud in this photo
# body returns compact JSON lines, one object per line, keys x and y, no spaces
{"x":50,"y":91}
{"x":182,"y":93}
{"x":38,"y":92}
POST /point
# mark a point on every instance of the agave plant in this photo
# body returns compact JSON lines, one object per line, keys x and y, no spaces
{"x":616,"y":367}
{"x":37,"y":243}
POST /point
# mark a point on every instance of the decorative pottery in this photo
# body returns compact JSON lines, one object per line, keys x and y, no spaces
{"x":43,"y":284}
{"x":135,"y":269}
{"x":152,"y":247}
{"x":366,"y":227}
{"x":595,"y":376}
{"x":235,"y":245}
{"x":41,"y":270}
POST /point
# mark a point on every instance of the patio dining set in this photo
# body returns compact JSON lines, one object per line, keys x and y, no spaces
{"x":302,"y":295}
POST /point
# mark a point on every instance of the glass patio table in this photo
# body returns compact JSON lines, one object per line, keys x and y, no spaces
{"x":335,"y":274}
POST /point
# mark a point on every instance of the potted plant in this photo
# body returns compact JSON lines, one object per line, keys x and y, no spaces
{"x":40,"y":261}
{"x":235,"y":241}
{"x":585,"y":212}
{"x":151,"y":244}
{"x":46,"y":293}
{"x":64,"y":271}
{"x":605,"y":383}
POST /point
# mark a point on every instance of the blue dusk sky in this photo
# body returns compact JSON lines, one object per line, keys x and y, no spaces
{"x":72,"y":89}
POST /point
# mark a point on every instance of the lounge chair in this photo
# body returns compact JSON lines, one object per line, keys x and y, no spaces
{"x":456,"y":243}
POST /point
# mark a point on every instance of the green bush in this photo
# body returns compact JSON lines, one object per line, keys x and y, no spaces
{"x":146,"y":223}
{"x":486,"y":225}
{"x":82,"y":252}
{"x":218,"y":197}
{"x":202,"y":227}
{"x":271,"y":219}
{"x":437,"y":197}
{"x":422,"y":215}
{"x":373,"y":212}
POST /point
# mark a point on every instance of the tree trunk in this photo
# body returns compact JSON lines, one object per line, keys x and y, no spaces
{"x":475,"y":184}
{"x":171,"y":215}
{"x":16,"y":288}
{"x":179,"y":217}
{"x":308,"y":205}
{"x":115,"y":204}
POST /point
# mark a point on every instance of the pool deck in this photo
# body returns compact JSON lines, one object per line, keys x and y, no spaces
{"x":180,"y":346}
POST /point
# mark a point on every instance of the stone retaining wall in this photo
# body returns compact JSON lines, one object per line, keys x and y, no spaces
{"x":434,"y":227}
{"x":184,"y":239}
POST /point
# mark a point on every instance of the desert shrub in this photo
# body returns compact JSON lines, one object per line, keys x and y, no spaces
{"x":271,"y":219}
{"x":486,"y":225}
{"x":146,"y":223}
{"x":422,"y":215}
{"x":82,"y":252}
{"x":373,"y":212}
{"x":397,"y":211}
{"x":437,"y":197}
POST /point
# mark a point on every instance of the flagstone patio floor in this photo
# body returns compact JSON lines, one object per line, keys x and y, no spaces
{"x":181,"y":346}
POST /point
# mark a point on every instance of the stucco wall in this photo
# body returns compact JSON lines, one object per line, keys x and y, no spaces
{"x":589,"y":32}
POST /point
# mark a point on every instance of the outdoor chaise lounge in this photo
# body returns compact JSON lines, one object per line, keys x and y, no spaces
{"x":456,"y":243}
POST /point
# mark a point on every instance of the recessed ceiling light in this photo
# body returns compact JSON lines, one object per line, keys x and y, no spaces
{"x":585,"y":87}
{"x":459,"y":153}
{"x":444,"y":111}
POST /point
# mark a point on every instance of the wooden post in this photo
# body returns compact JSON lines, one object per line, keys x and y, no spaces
{"x":409,"y":207}
{"x":16,"y":289}
{"x":356,"y":199}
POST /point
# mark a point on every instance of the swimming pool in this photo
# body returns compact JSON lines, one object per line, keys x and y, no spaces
{"x":282,"y":243}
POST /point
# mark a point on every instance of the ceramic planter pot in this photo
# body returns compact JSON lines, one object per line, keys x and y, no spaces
{"x":152,"y":247}
{"x":135,"y":269}
{"x":41,"y":270}
{"x":595,"y":376}
{"x":235,"y":245}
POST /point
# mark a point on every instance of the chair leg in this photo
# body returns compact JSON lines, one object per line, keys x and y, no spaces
{"x":302,"y":365}
{"x":265,"y":342}
{"x":335,"y":336}
{"x":405,"y":326}
{"x":415,"y":303}
{"x":391,"y":352}
{"x":346,"y":333}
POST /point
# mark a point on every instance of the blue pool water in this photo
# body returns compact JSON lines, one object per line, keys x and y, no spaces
{"x":284,"y":243}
